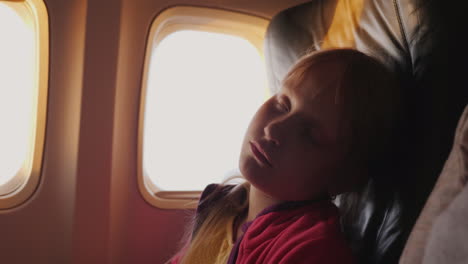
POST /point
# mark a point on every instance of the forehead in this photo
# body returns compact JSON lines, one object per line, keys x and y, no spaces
{"x":310,"y":84}
{"x":321,"y":76}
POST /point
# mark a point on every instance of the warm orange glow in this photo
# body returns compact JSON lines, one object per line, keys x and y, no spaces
{"x":344,"y":24}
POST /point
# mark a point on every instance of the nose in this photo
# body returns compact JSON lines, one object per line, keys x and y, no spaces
{"x":274,"y":131}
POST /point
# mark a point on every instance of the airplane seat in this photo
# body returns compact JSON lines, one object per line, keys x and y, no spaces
{"x":433,"y":236}
{"x":408,"y":37}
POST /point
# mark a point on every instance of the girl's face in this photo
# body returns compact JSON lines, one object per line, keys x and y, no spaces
{"x":293,"y":147}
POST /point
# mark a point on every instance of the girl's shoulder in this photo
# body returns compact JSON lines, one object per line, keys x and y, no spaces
{"x":212,"y":194}
{"x":210,"y":197}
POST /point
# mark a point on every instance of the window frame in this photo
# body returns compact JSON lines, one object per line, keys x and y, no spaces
{"x":174,"y":19}
{"x":22,"y":186}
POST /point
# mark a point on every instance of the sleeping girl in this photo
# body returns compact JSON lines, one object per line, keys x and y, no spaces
{"x":323,"y":134}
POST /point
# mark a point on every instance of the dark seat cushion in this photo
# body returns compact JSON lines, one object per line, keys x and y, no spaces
{"x":443,"y":201}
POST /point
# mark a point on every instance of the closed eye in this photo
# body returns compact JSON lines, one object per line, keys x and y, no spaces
{"x":282,"y":105}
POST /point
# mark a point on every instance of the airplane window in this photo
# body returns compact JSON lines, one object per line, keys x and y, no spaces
{"x":202,"y":90}
{"x":20,"y":79}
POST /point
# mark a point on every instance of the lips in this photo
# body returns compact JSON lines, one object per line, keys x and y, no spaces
{"x":260,"y":153}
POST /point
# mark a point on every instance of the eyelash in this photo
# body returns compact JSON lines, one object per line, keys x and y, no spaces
{"x":282,"y":106}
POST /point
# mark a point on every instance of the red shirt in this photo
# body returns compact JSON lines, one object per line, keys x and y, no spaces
{"x":294,"y":232}
{"x":287,"y":233}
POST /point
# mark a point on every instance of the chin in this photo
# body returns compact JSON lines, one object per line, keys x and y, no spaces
{"x":252,"y":172}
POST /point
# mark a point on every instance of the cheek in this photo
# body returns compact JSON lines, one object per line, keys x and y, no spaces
{"x":257,"y":123}
{"x":246,"y":162}
{"x":331,"y":168}
{"x":311,"y":168}
{"x":252,"y":172}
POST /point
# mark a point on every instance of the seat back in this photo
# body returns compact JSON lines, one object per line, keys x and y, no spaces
{"x":407,"y":37}
{"x":449,"y":187}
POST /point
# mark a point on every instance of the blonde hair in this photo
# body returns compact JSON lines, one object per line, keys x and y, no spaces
{"x":213,"y":226}
{"x":367,"y":96}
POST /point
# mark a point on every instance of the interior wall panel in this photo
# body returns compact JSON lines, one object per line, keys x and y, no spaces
{"x":92,"y":207}
{"x":40,"y":230}
{"x":87,"y":208}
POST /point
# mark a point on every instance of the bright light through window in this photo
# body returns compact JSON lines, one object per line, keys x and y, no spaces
{"x":17,"y":71}
{"x":203,"y":88}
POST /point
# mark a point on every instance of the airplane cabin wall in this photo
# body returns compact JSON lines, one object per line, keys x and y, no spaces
{"x":88,"y":208}
{"x":40,"y":230}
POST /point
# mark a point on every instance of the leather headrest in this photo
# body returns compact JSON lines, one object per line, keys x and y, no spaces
{"x":373,"y":27}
